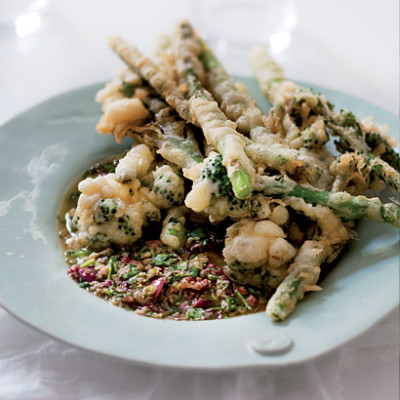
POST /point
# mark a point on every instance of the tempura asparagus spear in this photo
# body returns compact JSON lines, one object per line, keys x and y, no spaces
{"x":177,"y":144}
{"x":160,"y":81}
{"x":268,"y":73}
{"x":303,"y":275}
{"x":270,"y":152}
{"x":328,"y":240}
{"x":219,"y":132}
{"x":167,"y":134}
{"x":284,"y":94}
{"x":346,"y":206}
{"x":237,"y":103}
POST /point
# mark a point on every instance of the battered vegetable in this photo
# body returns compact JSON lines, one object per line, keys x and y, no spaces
{"x":218,"y":210}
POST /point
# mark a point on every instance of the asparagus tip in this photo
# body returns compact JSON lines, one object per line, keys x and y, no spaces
{"x":241,"y":184}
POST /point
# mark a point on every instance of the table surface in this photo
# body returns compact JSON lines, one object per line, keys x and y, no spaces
{"x":353,"y":47}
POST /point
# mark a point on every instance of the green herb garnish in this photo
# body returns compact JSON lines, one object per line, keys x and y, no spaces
{"x":87,"y":263}
{"x":77,"y":253}
{"x":243,"y":300}
{"x":163,"y":259}
{"x":194,"y":314}
{"x":113,"y":266}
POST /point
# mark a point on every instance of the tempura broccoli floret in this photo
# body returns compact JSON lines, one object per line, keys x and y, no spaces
{"x":215,"y":171}
{"x":168,"y":187}
{"x":106,"y":209}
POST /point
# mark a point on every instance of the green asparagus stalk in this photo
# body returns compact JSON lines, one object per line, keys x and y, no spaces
{"x":219,"y":132}
{"x":267,"y":72}
{"x":346,"y":206}
{"x":303,"y":276}
{"x":284,"y":94}
{"x":237,"y":103}
{"x":160,"y":81}
{"x":304,"y":272}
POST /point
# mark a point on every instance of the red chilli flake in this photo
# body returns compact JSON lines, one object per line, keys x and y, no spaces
{"x":73,"y":272}
{"x":251,"y":301}
{"x":126,"y":259}
{"x":106,"y":284}
{"x":197,"y":247}
{"x":155,"y":242}
{"x":242,"y":290}
{"x":87,"y":274}
{"x":159,"y":284}
{"x":202,"y":285}
{"x":202,"y":303}
{"x":229,"y":289}
{"x":128,"y":299}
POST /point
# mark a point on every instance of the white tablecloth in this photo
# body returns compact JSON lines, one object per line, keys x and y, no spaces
{"x":349,"y":45}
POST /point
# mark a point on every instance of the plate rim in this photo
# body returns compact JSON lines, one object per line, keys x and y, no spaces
{"x":174,"y":366}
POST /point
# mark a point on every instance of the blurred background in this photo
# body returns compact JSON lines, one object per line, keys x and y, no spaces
{"x":51,"y":46}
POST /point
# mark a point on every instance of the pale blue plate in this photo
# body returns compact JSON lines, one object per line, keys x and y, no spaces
{"x":46,"y":147}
